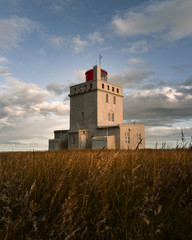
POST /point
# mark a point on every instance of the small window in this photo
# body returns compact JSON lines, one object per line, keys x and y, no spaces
{"x":107,"y":98}
{"x":117,"y":90}
{"x":114,"y":100}
{"x":73,"y":140}
{"x":80,"y":88}
{"x":112,"y":89}
{"x":74,"y":90}
{"x":85,"y":87}
{"x":107,"y":87}
{"x":91,"y":85}
{"x":103,"y":86}
{"x":82,"y":116}
{"x":127,"y":138}
{"x":112,"y":117}
{"x":109,"y":117}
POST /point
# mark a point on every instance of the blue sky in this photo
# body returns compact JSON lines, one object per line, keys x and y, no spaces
{"x":47,"y":45}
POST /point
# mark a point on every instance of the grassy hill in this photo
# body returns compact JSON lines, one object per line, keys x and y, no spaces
{"x":143,"y":194}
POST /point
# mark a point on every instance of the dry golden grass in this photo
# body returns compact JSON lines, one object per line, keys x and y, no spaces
{"x":96,"y":195}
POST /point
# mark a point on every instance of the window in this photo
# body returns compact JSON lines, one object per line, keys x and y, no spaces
{"x":117,"y":90}
{"x":85,"y":87}
{"x":74,"y":90}
{"x":91,"y":85}
{"x":114,"y":100}
{"x":73,"y":140}
{"x":103,"y":86}
{"x":108,"y":116}
{"x":112,"y":117}
{"x":127,"y":138}
{"x":82,"y":116}
{"x":112,"y":89}
{"x":103,"y":76}
{"x":139,"y":138}
{"x":107,"y":87}
{"x":107,"y":98}
{"x":80,"y":88}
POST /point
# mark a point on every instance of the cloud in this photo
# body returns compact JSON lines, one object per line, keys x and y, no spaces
{"x":137,"y":47}
{"x":3,"y":60}
{"x":160,"y":107}
{"x":78,"y":45}
{"x":106,"y":48}
{"x":133,"y":77}
{"x":28,"y":115}
{"x":182,"y":68}
{"x":24,"y":100}
{"x":136,"y":60}
{"x":80,"y":75}
{"x":59,"y":89}
{"x":172,"y":19}
{"x":12,"y":30}
{"x":55,"y":88}
{"x":167,"y":136}
{"x":30,"y":133}
{"x":56,"y":107}
{"x":4,"y":71}
{"x":58,"y":41}
{"x":95,"y":37}
{"x":60,"y":5}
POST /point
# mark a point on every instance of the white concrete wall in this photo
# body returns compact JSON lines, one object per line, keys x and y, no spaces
{"x":133,"y":130}
{"x":83,"y":103}
{"x":111,"y":142}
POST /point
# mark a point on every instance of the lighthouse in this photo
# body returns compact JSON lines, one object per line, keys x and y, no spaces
{"x":96,"y":117}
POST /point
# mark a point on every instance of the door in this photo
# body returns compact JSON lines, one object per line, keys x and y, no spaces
{"x":83,"y":141}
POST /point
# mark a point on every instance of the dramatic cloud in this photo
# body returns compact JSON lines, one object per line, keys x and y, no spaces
{"x":168,"y":137}
{"x":30,"y":133}
{"x":58,"y":108}
{"x":55,"y":88}
{"x":160,"y":107}
{"x":25,"y":100}
{"x":132,"y":77}
{"x":30,"y":114}
{"x":171,"y":18}
{"x":12,"y":30}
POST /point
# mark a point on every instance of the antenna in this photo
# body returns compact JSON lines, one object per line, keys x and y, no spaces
{"x":100,"y":59}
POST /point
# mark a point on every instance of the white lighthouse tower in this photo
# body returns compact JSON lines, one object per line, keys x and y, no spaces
{"x":96,"y":117}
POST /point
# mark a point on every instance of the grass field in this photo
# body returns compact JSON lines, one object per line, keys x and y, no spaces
{"x":143,"y":194}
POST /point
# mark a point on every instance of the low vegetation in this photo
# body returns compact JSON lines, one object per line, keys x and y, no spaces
{"x":142,"y":194}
